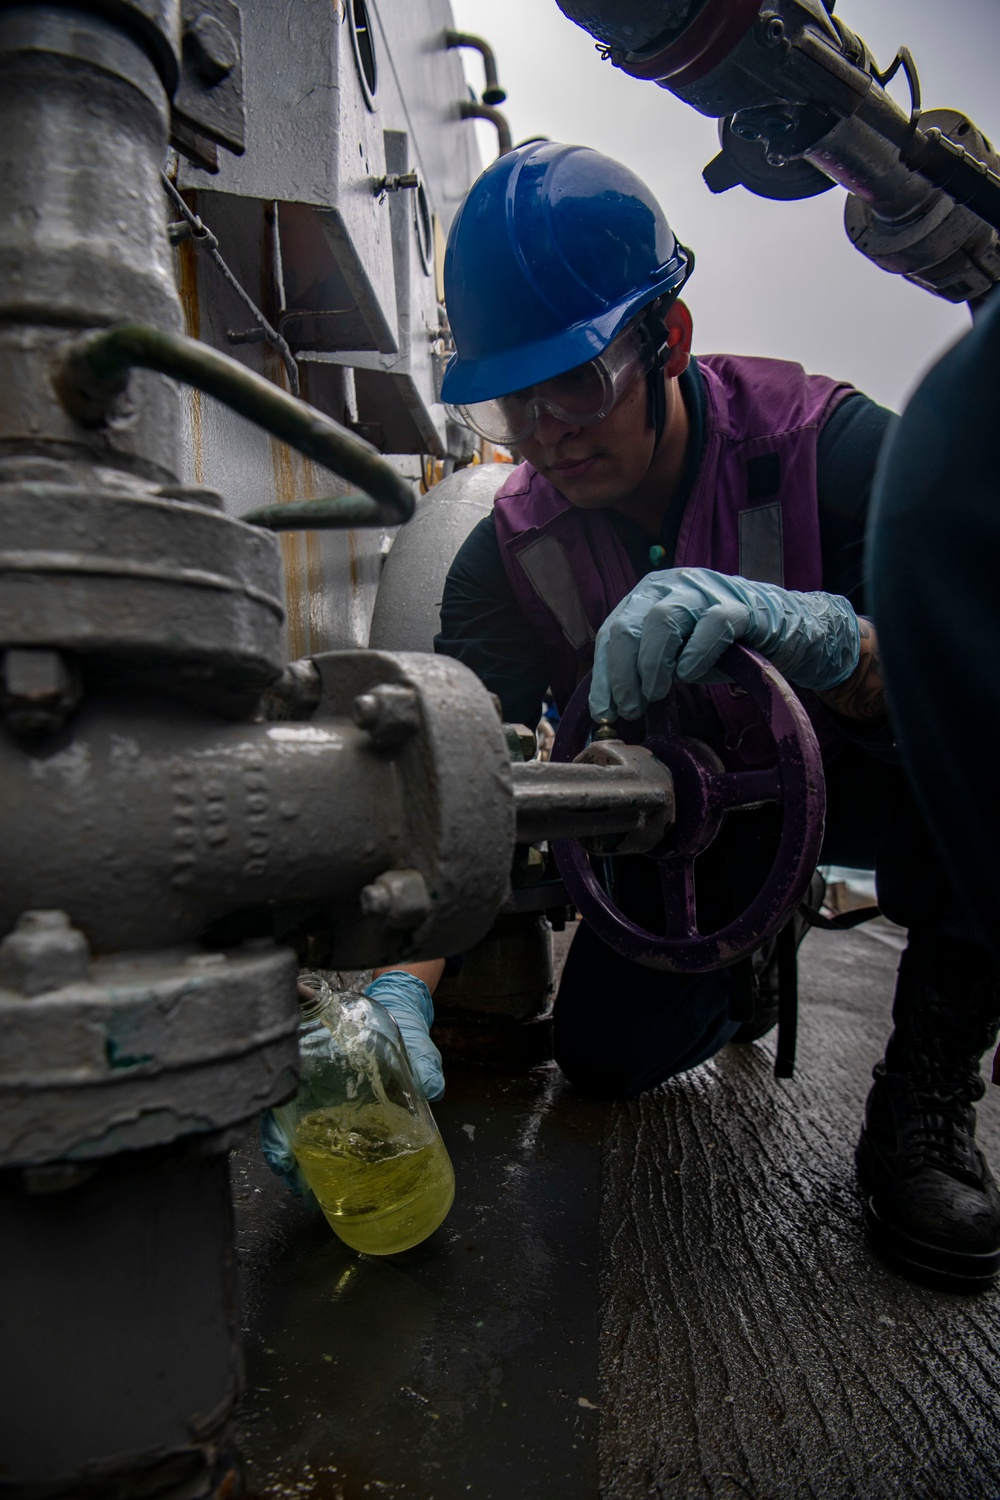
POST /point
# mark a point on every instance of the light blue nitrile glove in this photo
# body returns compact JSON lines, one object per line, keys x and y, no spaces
{"x":280,"y":1157}
{"x":677,"y":623}
{"x":408,"y":1000}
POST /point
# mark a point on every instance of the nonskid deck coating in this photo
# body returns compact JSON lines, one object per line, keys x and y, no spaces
{"x":739,"y":1339}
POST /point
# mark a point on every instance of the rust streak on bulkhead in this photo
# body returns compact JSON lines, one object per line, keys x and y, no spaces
{"x":319,"y":635}
{"x":317,"y":481}
{"x":352,"y":554}
{"x":285,"y":489}
{"x":286,"y":465}
{"x":287,"y":468}
{"x":359,"y":617}
{"x":187,"y":289}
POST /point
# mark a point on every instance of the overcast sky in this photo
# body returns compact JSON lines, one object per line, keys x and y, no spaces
{"x":772,"y":278}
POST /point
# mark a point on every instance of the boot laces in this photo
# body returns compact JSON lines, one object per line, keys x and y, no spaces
{"x":940,"y":1123}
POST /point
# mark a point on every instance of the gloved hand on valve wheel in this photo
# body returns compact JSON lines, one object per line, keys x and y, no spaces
{"x":677,"y":623}
{"x":408,"y":1000}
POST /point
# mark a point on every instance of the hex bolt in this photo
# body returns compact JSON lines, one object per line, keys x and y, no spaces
{"x":390,"y":713}
{"x":44,"y":952}
{"x":39,"y":689}
{"x":398,"y":898}
{"x":296,"y":693}
{"x":213,"y":50}
{"x":521,"y":742}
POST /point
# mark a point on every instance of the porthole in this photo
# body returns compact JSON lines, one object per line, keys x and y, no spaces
{"x":363,"y":41}
{"x":424,"y":226}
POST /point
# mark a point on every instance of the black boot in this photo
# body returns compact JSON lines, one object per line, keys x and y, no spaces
{"x":933,"y":1208}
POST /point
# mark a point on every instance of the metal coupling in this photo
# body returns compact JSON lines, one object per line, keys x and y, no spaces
{"x":617,"y":798}
{"x":44,"y":952}
{"x":389,"y":713}
{"x":394,"y":183}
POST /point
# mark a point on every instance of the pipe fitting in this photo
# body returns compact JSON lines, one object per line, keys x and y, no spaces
{"x":89,"y":376}
{"x":185,"y":822}
{"x":470,"y":111}
{"x":493,"y":93}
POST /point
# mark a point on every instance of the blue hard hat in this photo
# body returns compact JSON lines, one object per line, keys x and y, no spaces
{"x":554,"y":250}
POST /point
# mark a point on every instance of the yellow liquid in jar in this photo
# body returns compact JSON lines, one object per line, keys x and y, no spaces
{"x":381,"y":1190}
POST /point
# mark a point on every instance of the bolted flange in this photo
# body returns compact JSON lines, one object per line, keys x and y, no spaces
{"x":138,"y":1050}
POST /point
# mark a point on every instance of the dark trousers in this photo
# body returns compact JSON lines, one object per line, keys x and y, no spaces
{"x":621,"y":1028}
{"x":934,"y":565}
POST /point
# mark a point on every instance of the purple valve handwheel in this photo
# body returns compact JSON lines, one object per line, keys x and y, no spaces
{"x":705,"y":791}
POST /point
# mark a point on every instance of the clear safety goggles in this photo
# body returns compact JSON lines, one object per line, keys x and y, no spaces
{"x":579,"y":397}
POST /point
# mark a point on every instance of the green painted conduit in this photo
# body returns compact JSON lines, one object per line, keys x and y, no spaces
{"x":93,"y":371}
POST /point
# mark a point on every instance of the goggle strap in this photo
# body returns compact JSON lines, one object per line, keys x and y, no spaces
{"x":656,"y":393}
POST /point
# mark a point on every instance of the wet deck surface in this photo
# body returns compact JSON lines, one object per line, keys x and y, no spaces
{"x":668,"y":1297}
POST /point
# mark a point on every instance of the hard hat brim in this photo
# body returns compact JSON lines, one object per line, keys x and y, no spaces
{"x":471,"y":380}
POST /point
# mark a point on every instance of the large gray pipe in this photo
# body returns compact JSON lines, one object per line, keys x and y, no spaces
{"x":408,"y":605}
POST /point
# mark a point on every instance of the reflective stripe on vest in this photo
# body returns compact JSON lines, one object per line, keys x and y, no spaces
{"x":547,"y":567}
{"x":762,"y":544}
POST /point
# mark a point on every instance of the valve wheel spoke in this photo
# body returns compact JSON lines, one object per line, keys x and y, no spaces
{"x":677,"y":884}
{"x":744,"y":789}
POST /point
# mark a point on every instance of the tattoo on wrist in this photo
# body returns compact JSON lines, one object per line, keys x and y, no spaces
{"x":862,"y":696}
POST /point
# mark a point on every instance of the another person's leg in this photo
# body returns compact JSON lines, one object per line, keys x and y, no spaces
{"x":933,"y":1208}
{"x":934,"y":566}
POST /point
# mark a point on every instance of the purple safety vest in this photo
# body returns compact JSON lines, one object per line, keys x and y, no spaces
{"x":752,"y":511}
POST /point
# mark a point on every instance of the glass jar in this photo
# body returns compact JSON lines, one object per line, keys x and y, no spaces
{"x":362,"y":1132}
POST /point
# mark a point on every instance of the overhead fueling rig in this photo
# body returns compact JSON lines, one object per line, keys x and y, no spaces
{"x":803,"y":106}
